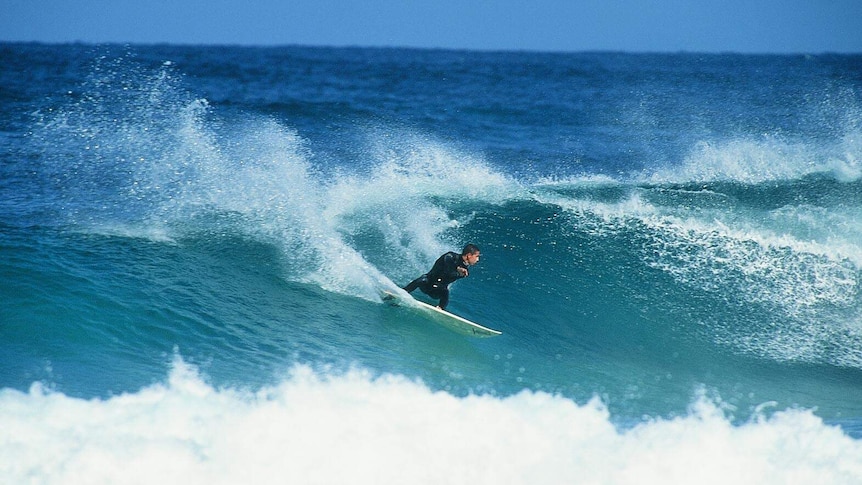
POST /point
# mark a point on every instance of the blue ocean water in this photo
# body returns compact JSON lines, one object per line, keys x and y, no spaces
{"x":193,"y":241}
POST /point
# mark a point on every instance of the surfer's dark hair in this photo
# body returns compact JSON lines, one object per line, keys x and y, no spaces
{"x":470,"y":249}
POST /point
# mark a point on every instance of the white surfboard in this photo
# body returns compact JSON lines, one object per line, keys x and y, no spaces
{"x":450,"y":320}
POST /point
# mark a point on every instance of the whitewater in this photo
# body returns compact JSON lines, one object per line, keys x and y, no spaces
{"x":355,"y":428}
{"x":193,"y":242}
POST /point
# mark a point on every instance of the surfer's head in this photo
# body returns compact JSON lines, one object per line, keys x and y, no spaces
{"x":470,"y":254}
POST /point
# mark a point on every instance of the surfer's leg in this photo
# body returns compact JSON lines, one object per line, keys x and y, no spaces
{"x":416,"y":283}
{"x":444,"y":298}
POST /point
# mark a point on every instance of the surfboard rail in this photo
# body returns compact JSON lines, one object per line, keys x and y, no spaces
{"x":447,"y":319}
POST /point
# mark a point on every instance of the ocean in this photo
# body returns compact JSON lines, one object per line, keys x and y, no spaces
{"x":193,"y":243}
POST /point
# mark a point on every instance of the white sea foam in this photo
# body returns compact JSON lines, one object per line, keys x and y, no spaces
{"x":769,"y":267}
{"x":413,"y":166}
{"x":794,"y":256}
{"x":799,"y":281}
{"x":263,"y":173}
{"x":312,"y":214}
{"x":809,"y":284}
{"x":354,"y":428}
{"x":766,"y":159}
{"x":174,"y":171}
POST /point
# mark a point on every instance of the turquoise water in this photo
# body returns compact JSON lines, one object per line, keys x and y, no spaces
{"x":194,"y":240}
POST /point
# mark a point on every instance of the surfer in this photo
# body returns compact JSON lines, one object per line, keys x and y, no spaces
{"x":447,"y":269}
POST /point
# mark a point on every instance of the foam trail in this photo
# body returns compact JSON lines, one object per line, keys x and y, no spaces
{"x":352,"y":427}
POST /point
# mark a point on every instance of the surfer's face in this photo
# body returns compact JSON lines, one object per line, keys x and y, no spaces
{"x":472,"y":258}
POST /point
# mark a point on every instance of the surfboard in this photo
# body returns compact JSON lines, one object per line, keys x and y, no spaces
{"x":447,"y":319}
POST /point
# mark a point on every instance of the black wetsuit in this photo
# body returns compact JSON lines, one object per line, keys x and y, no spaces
{"x":435,"y":283}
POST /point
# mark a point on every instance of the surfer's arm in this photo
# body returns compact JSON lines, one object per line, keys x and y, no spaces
{"x":452,"y":268}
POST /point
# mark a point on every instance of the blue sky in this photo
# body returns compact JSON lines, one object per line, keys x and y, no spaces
{"x":749,"y":26}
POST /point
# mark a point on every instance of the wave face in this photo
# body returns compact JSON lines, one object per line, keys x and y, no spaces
{"x":193,"y":242}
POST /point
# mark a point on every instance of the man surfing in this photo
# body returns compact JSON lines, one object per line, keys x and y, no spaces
{"x":448,"y":268}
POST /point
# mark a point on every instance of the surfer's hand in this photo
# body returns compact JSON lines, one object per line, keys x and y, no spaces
{"x":463,"y":271}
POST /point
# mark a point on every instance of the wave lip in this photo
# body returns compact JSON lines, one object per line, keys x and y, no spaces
{"x":314,"y":428}
{"x":763,"y":160}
